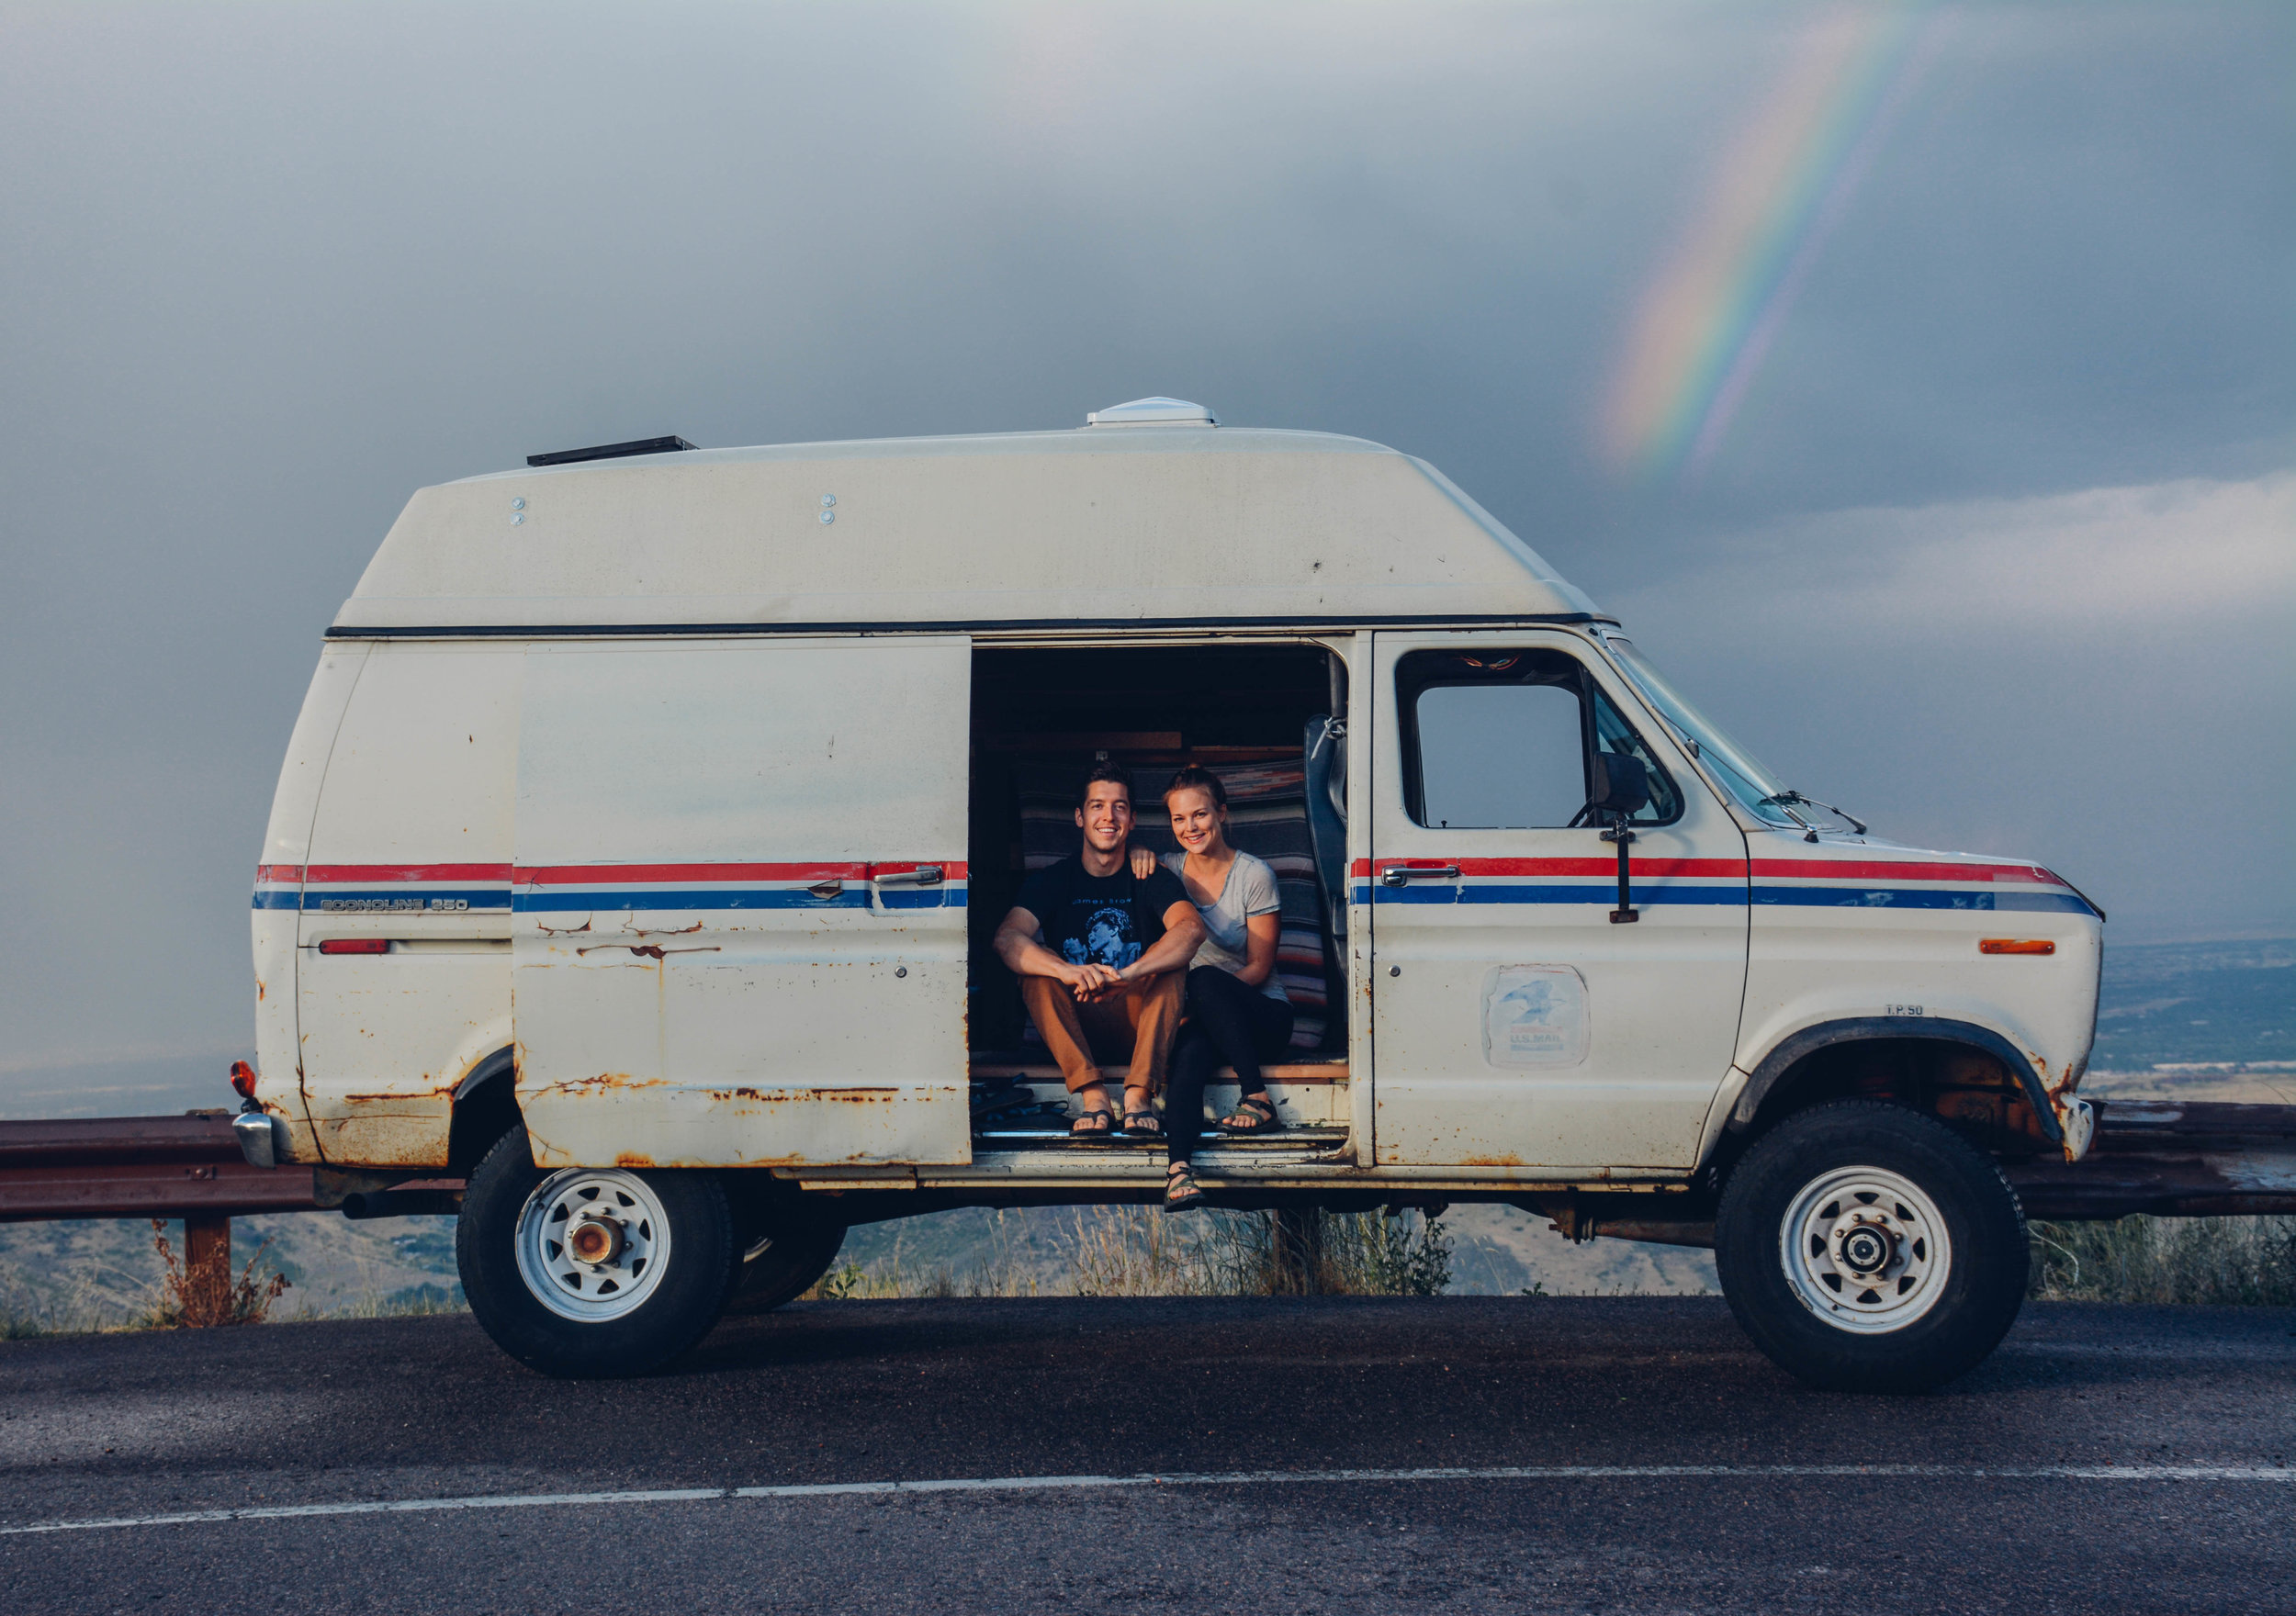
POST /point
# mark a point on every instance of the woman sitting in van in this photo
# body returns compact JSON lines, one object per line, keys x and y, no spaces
{"x":1238,"y":1013}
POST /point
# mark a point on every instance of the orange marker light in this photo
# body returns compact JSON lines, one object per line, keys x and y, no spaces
{"x":2016,"y":946}
{"x":243,"y":1080}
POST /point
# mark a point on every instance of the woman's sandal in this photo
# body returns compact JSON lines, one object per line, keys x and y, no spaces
{"x":1181,"y":1192}
{"x":1103,"y":1128}
{"x":1142,"y":1125}
{"x":1262,"y":1113}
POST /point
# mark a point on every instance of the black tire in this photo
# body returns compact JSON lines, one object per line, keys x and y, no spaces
{"x":1852,"y":1345}
{"x":784,"y":1265}
{"x":681,"y":1300}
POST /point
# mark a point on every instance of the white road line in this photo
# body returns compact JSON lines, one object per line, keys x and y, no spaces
{"x":1024,"y":1484}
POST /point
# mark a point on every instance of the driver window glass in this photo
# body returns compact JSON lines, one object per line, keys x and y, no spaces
{"x":1498,"y":739}
{"x":1501,"y":756}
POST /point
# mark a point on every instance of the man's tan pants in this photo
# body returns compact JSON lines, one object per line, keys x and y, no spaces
{"x":1136,"y":1025}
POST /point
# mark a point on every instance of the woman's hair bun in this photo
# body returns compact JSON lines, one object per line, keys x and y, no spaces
{"x":1196,"y":777}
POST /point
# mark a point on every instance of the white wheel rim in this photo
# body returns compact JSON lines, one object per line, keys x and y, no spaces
{"x":592,"y":1292}
{"x":1865,"y":1249}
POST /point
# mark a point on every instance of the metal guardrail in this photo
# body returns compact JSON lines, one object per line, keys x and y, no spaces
{"x":2194,"y":1159}
{"x":2174,"y":1159}
{"x":140,"y":1167}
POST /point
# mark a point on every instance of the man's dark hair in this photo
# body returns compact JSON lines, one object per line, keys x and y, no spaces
{"x":1195,"y":776}
{"x":1105,"y":770}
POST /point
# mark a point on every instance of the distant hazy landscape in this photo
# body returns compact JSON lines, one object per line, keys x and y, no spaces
{"x":2197,"y":1020}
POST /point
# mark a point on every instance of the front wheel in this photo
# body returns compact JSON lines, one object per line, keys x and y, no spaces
{"x":1866,"y":1247}
{"x":593,"y":1272}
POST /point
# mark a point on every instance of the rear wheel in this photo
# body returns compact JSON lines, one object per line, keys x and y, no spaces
{"x":784,"y":1263}
{"x":1866,"y":1247}
{"x":593,"y":1272}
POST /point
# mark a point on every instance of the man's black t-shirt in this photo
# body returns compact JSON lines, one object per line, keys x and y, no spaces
{"x":1100,"y":920}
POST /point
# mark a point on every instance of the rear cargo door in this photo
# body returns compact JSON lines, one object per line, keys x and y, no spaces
{"x":738,"y":905}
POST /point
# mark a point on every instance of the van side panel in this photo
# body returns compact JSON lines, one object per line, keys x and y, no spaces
{"x":279,"y":895}
{"x":740,"y":903}
{"x":410,"y":855}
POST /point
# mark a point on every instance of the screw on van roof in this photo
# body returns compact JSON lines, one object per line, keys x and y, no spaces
{"x":1154,"y":413}
{"x":610,"y":451}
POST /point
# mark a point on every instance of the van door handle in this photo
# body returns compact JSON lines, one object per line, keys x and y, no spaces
{"x":924,"y":875}
{"x":1397,"y":875}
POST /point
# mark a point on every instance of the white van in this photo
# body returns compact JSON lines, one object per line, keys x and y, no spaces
{"x":640,"y":842}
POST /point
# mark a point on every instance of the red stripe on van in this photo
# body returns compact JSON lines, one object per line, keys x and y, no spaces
{"x":652,"y":874}
{"x":1728,"y":868}
{"x":1708,"y":867}
{"x":1829,"y":870}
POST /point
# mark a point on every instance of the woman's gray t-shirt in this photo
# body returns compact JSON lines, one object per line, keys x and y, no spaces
{"x":1251,"y":891}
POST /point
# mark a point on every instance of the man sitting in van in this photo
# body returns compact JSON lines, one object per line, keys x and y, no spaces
{"x":1102,"y":956}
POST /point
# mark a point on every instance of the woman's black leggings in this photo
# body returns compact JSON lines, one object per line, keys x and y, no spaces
{"x":1228,"y":1025}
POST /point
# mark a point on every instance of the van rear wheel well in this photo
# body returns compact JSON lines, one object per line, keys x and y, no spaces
{"x":486,"y":1107}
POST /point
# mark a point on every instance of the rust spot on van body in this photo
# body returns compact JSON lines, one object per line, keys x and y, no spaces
{"x":604,"y":1083}
{"x":632,"y":1159}
{"x":1492,"y":1161}
{"x":651,"y":950}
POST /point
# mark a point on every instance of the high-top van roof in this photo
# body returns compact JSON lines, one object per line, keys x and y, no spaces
{"x":1130,"y":523}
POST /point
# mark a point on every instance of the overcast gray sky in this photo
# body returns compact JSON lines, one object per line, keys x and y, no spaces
{"x":1993,"y":541}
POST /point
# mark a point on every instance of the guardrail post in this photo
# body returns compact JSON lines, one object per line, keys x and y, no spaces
{"x":206,"y":1268}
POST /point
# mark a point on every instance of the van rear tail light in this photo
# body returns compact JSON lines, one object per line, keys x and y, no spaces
{"x":243,"y":1080}
{"x":356,"y":945}
{"x":2016,"y":946}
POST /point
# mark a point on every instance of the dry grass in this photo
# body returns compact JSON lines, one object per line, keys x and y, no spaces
{"x":1138,"y":1251}
{"x":1001,"y":1273}
{"x":1134,"y":1251}
{"x":203,"y":1293}
{"x":2235,"y":1261}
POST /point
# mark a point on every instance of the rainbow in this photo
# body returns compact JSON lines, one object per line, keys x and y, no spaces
{"x":1719,"y":297}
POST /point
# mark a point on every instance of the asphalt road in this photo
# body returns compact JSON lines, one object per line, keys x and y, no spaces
{"x":1740,"y":1491}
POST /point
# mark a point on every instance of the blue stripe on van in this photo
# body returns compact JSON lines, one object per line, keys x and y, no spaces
{"x":1782,"y":896}
{"x":1918,"y":898}
{"x":1438,"y":892}
{"x":550,"y":899}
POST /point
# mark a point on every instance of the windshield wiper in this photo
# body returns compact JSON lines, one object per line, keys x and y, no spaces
{"x":1789,"y":800}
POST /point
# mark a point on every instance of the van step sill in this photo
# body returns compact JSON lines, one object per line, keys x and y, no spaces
{"x":1291,"y":1141}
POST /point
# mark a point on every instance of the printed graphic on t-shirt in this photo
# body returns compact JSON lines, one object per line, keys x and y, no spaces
{"x":1106,"y":940}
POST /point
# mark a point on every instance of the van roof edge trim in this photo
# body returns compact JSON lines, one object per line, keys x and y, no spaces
{"x":975,"y":625}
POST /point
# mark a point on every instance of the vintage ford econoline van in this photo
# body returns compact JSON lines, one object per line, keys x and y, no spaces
{"x":640,"y":842}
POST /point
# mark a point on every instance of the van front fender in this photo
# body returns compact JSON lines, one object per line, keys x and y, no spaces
{"x":1792,"y":1049}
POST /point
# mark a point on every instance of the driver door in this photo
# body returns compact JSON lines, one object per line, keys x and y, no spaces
{"x":1515,"y":1024}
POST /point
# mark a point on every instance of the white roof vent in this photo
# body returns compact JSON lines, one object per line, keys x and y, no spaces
{"x":1154,"y":413}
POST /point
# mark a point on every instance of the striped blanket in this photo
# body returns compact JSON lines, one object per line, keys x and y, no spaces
{"x":1268,"y":816}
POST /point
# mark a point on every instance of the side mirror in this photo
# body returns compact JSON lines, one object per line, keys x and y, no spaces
{"x":1622,"y":785}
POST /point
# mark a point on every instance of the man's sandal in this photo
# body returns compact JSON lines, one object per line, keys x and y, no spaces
{"x":1261,"y":1112}
{"x":1094,"y":1124}
{"x":1181,"y":1192}
{"x":1142,"y":1125}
